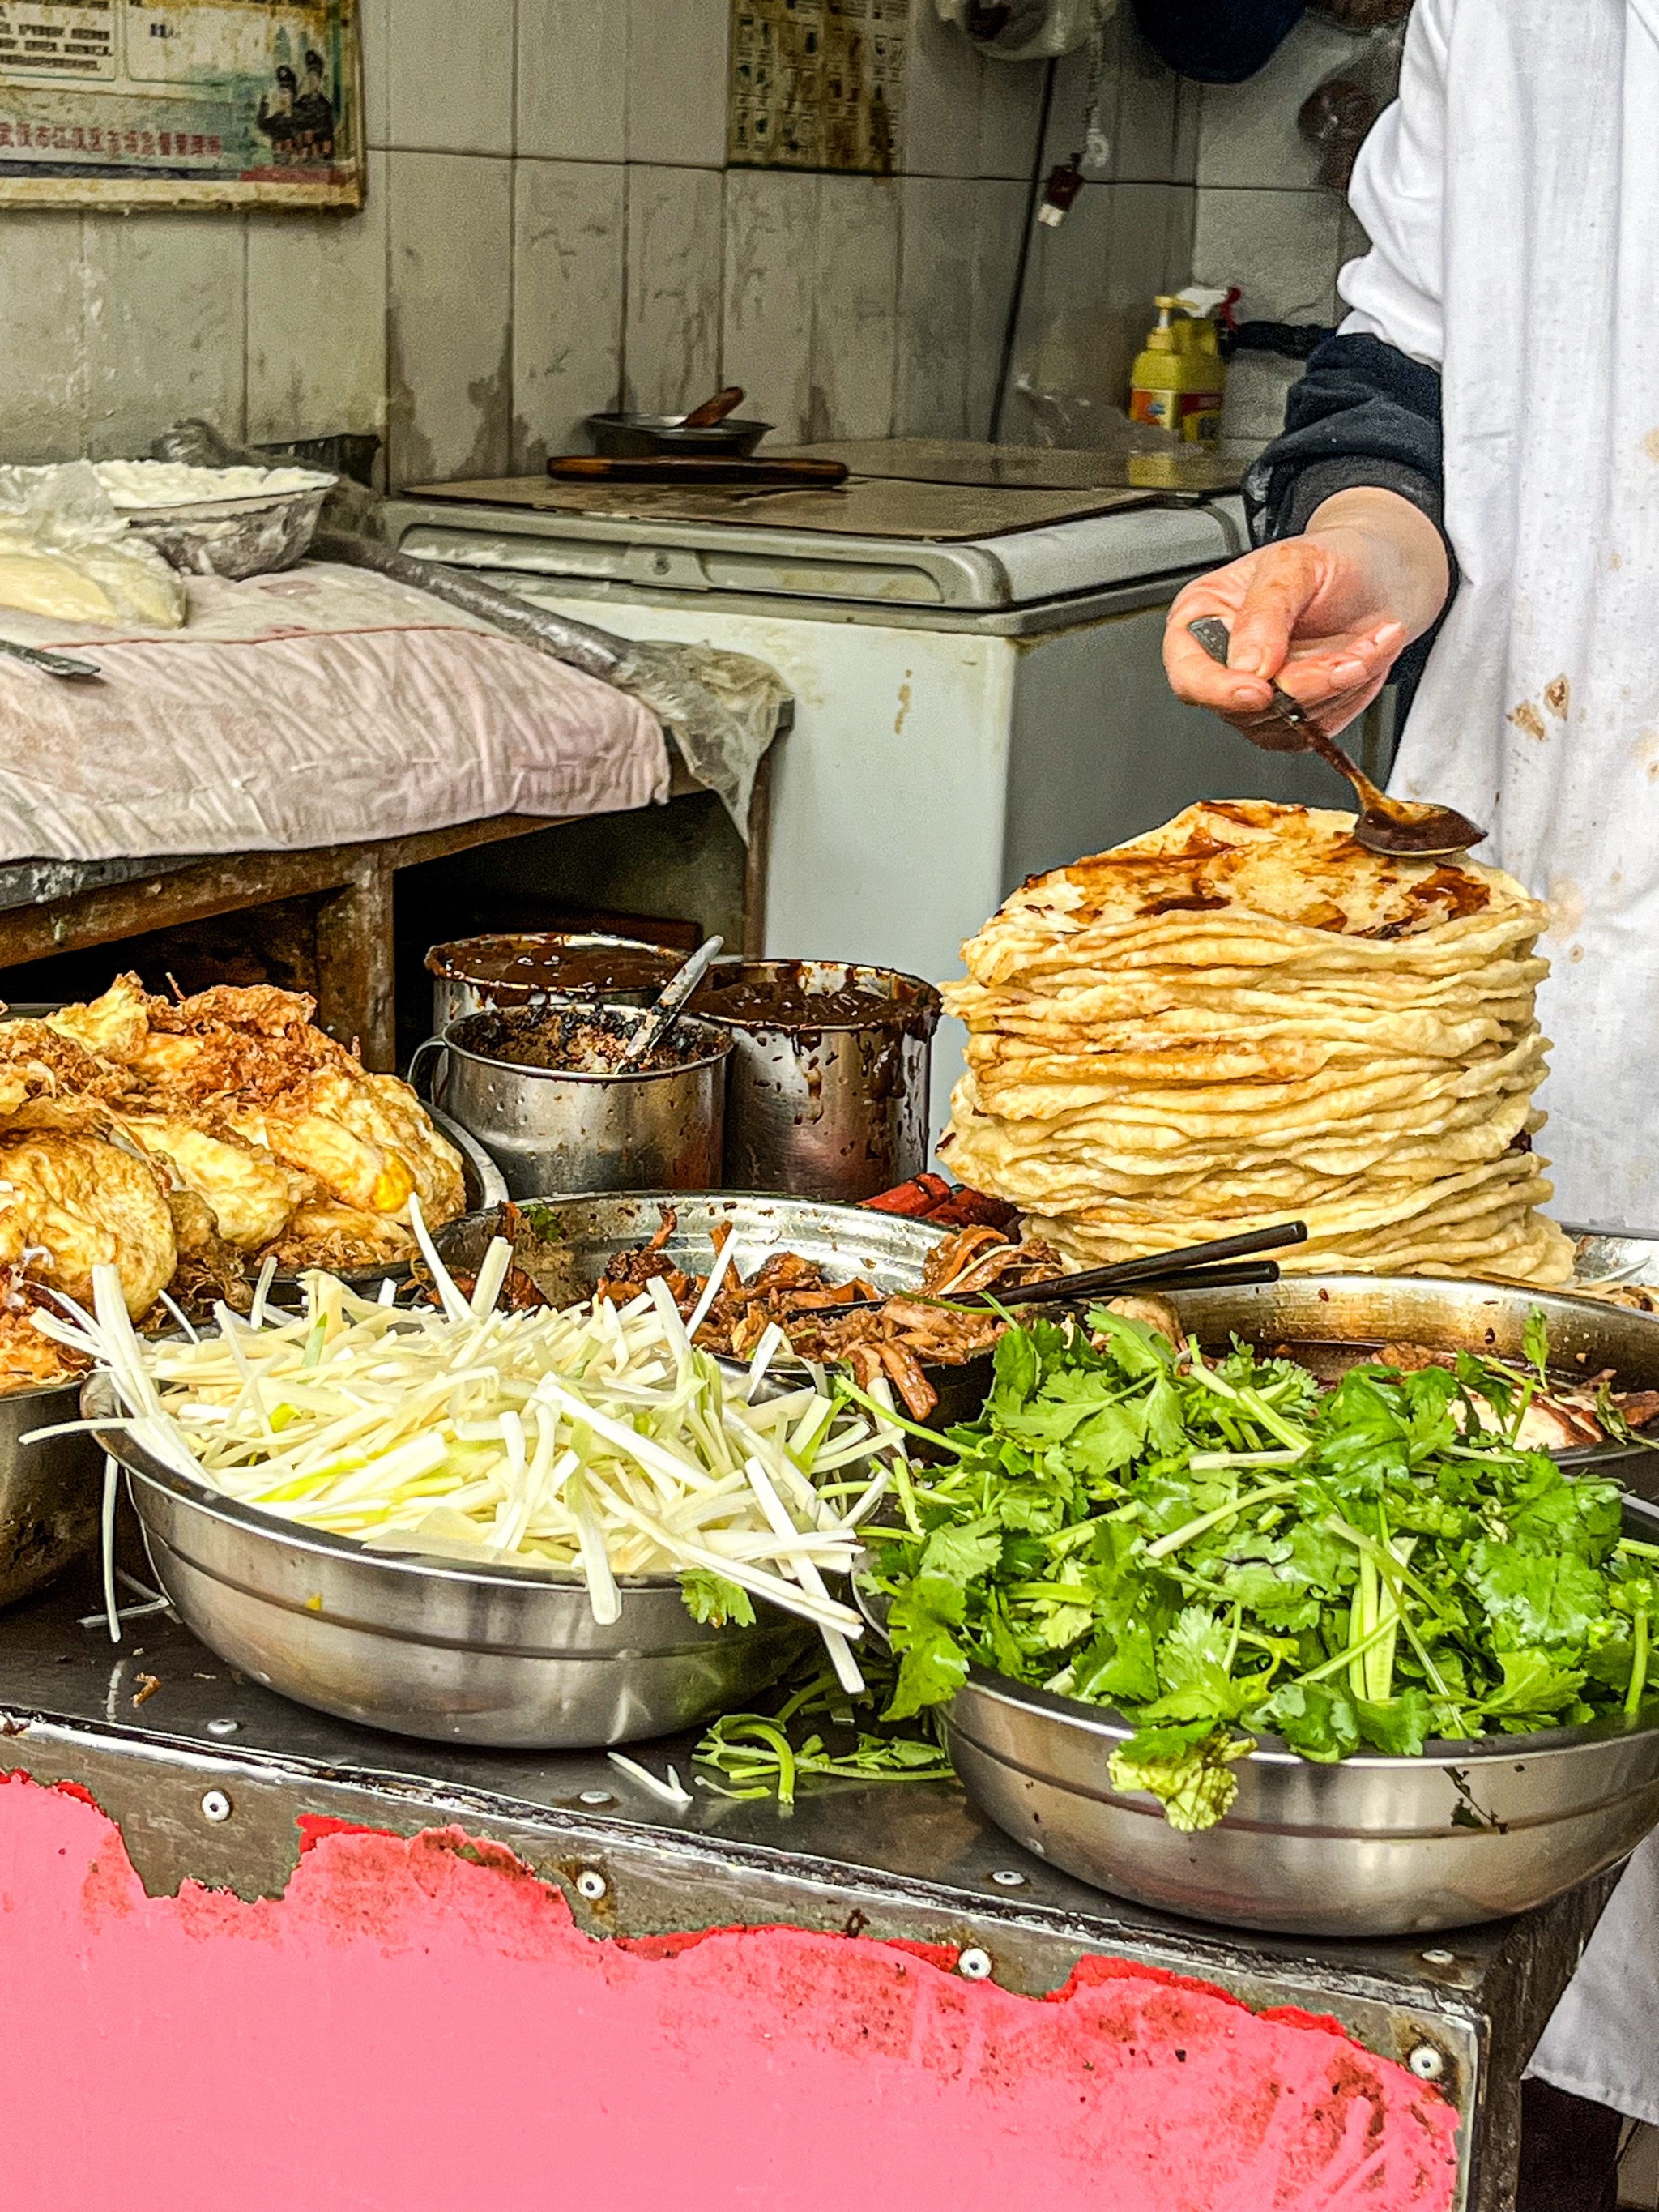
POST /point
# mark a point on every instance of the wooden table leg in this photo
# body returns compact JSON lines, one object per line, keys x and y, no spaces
{"x":354,"y":970}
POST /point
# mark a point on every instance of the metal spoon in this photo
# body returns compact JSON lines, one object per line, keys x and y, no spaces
{"x":51,"y":663}
{"x":1409,"y":827}
{"x":671,"y":1005}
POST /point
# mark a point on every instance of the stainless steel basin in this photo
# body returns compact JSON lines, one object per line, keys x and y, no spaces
{"x":424,"y":1647}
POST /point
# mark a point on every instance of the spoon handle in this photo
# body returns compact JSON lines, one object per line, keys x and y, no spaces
{"x":670,"y":1006}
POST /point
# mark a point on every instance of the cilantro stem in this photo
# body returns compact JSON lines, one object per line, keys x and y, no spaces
{"x":1638,"y":1672}
{"x":1345,"y":1658}
{"x":1206,"y":1522}
{"x":1390,"y":1569}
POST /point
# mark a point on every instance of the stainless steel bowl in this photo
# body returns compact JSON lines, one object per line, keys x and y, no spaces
{"x":1371,"y":1846}
{"x":888,"y":1250}
{"x":1374,"y":1846}
{"x":1586,"y":1335}
{"x":50,"y":1492}
{"x":554,"y":1129}
{"x":239,"y":537}
{"x":506,"y":1656}
{"x":645,"y":437}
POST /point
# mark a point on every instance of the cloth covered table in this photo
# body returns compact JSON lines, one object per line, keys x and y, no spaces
{"x":317,"y":707}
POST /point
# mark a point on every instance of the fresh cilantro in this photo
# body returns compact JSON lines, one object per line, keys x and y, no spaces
{"x":1215,"y":1551}
{"x":709,"y":1597}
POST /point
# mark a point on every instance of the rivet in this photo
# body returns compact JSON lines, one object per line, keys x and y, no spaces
{"x":974,"y":1966}
{"x":1427,"y":2062}
{"x":216,"y":1806}
{"x":223,"y":1728}
{"x":1008,"y":1878}
{"x":592,"y":1885}
{"x":1439,"y":1958}
{"x":596,"y":1797}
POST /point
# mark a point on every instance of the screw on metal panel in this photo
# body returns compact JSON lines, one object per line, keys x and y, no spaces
{"x":596,"y":1797}
{"x":1006,"y":1878}
{"x":974,"y":1966}
{"x":1439,"y":1958}
{"x":216,"y":1806}
{"x":223,"y":1728}
{"x":592,"y":1885}
{"x":1427,"y":2062}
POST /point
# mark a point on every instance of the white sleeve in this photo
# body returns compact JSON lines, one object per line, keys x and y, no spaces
{"x":1397,"y":193}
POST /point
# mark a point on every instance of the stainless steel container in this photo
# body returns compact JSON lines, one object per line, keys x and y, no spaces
{"x":466,"y":977}
{"x":835,"y":1111}
{"x":498,"y":1655}
{"x":888,"y":1250}
{"x":50,"y":1492}
{"x":550,"y":1131}
{"x":1586,"y":1335}
{"x":1371,"y":1846}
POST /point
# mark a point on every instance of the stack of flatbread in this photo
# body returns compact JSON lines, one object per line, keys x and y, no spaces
{"x":1244,"y":1017}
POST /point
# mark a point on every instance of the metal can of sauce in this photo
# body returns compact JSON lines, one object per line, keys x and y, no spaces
{"x":828,"y":1092}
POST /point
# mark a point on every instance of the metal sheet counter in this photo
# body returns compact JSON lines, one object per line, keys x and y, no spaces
{"x":311,"y":1951}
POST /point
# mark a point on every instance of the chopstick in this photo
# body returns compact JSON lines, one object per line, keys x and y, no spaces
{"x":1166,"y":1268}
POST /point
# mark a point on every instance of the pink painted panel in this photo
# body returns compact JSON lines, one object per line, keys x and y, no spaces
{"x":420,"y":2023}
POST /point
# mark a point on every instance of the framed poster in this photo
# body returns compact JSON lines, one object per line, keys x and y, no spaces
{"x":817,"y":84}
{"x":181,"y":103}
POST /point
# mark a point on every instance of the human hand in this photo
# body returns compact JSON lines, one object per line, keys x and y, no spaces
{"x":1325,"y":615}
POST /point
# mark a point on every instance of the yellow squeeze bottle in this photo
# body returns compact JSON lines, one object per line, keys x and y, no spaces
{"x":1180,"y":378}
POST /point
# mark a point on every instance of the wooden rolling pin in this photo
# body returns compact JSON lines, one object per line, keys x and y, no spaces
{"x":692,"y":471}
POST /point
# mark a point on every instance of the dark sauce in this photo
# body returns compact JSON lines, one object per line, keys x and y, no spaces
{"x":512,"y":969}
{"x":573,"y":1042}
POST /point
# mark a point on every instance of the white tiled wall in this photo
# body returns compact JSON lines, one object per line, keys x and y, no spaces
{"x":550,"y":229}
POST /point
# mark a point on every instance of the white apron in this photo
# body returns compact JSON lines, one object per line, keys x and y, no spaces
{"x":1512,"y":197}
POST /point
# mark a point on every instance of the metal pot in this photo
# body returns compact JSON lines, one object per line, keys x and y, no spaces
{"x":835,"y":1111}
{"x":550,"y":1131}
{"x":490,"y":1655}
{"x":49,"y":1492}
{"x":461,"y":986}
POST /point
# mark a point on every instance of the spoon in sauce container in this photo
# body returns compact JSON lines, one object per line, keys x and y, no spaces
{"x":1410,"y":827}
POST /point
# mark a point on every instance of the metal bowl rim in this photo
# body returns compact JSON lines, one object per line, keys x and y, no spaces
{"x":929,"y":1002}
{"x":552,"y":1005}
{"x":731,"y":423}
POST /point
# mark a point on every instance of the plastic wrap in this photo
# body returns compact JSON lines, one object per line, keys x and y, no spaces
{"x":1338,"y":112}
{"x":721,"y":709}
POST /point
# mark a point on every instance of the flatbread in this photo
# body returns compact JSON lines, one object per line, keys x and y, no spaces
{"x":1245,"y":1017}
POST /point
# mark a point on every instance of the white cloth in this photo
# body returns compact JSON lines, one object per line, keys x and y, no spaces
{"x":320,"y":707}
{"x":1512,"y":197}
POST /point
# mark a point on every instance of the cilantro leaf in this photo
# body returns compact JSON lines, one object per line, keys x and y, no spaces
{"x":709,"y":1597}
{"x":1188,"y":1769}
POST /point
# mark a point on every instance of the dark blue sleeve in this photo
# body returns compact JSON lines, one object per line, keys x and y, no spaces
{"x":1363,"y":414}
